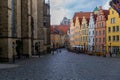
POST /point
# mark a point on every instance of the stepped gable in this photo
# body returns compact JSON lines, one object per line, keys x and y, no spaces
{"x":80,"y":16}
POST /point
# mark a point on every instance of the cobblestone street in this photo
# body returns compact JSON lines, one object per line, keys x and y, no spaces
{"x":64,"y":66}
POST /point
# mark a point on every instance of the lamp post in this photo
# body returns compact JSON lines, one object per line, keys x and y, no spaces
{"x":110,"y":47}
{"x":110,"y":51}
{"x":84,"y":47}
{"x":93,"y":47}
{"x":103,"y":50}
{"x":13,"y":56}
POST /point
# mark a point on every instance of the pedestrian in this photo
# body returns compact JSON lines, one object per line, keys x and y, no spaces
{"x":110,"y":54}
{"x":57,"y":48}
{"x":37,"y":48}
{"x":53,"y":49}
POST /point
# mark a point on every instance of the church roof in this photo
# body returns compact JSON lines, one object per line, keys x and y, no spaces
{"x":96,"y":9}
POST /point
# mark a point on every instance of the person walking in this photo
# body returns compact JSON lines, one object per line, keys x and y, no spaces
{"x":53,"y":49}
{"x":110,"y":54}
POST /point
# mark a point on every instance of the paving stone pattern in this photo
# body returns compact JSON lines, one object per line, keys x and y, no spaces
{"x":64,"y":66}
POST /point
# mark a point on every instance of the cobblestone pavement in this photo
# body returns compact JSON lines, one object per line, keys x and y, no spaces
{"x":65,"y":66}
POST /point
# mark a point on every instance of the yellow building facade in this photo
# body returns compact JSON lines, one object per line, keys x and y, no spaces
{"x":113,"y":32}
{"x":77,"y":31}
{"x":72,"y":31}
{"x":84,"y":33}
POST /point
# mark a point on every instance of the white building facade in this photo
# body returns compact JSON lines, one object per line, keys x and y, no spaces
{"x":91,"y":33}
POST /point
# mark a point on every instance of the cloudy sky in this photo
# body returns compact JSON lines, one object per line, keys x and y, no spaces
{"x":61,"y":8}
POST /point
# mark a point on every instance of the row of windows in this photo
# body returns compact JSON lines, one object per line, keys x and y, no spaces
{"x":84,"y":39}
{"x":100,"y":39}
{"x":100,"y":24}
{"x":91,"y":26}
{"x":84,"y":32}
{"x":114,"y":29}
{"x":113,"y":20}
{"x":98,"y":33}
{"x":100,"y":18}
{"x":114,"y":38}
{"x":91,"y":40}
{"x":91,"y":33}
{"x":83,"y":26}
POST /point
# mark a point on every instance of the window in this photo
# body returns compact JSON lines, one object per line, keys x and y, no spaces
{"x":109,"y":38}
{"x":113,"y":38}
{"x":99,"y":17}
{"x":99,"y":39}
{"x":89,"y":41}
{"x":99,"y":32}
{"x":113,"y":20}
{"x":103,"y":32}
{"x":97,"y":25}
{"x":104,"y":40}
{"x":109,"y":29}
{"x":89,"y":33}
{"x":101,"y":24}
{"x":96,"y":39}
{"x":117,"y":28}
{"x":117,"y":37}
{"x":112,"y":12}
{"x":93,"y":32}
{"x":96,"y":33}
{"x":86,"y":39}
{"x":113,"y":28}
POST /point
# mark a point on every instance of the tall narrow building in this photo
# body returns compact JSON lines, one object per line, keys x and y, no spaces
{"x":113,"y":32}
{"x":84,"y":30}
{"x":91,"y":32}
{"x":100,"y":30}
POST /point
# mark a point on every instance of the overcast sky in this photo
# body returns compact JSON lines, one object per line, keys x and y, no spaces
{"x":61,"y":8}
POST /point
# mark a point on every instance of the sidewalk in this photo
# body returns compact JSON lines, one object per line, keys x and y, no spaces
{"x":18,"y":63}
{"x":6,"y":66}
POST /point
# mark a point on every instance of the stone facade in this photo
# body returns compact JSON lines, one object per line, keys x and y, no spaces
{"x":5,"y":25}
{"x":46,"y":26}
{"x":21,"y":27}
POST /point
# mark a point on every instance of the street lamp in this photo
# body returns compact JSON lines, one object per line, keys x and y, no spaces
{"x":110,"y":47}
{"x":84,"y":47}
{"x":13,"y":46}
{"x":93,"y":47}
{"x":110,"y":51}
{"x":103,"y":50}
